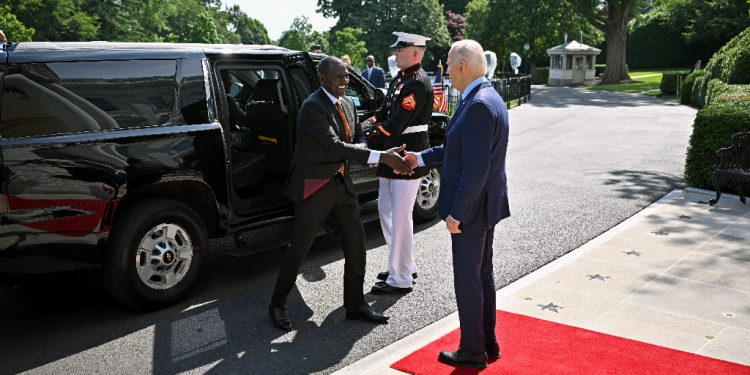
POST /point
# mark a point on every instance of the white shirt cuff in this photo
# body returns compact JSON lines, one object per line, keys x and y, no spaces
{"x":420,"y":161}
{"x":374,"y":157}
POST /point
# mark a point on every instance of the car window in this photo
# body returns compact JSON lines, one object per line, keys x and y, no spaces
{"x":353,"y":95}
{"x":61,"y":97}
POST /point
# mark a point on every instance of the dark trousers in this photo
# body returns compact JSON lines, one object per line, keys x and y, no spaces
{"x":309,"y":216}
{"x":474,"y":280}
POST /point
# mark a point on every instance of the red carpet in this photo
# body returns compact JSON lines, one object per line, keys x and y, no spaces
{"x":533,"y":346}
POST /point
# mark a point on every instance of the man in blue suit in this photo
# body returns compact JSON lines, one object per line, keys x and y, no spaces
{"x":375,"y":75}
{"x":473,"y":198}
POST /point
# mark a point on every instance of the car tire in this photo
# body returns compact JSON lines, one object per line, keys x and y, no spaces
{"x":155,"y":252}
{"x":426,"y":204}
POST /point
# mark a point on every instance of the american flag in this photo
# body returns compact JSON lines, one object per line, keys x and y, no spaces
{"x":441,"y":103}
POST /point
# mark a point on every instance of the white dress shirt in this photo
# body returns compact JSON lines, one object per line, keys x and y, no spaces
{"x":374,"y":155}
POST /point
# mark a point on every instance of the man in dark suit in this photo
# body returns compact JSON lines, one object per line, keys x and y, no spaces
{"x":375,"y":75}
{"x":473,"y":198}
{"x":328,"y":137}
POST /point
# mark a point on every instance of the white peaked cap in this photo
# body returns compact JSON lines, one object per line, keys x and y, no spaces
{"x":409,"y":40}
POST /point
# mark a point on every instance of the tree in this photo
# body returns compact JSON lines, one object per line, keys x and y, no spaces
{"x":322,"y":40}
{"x":707,"y":25}
{"x":612,"y":17}
{"x":348,"y":43}
{"x":455,"y":6}
{"x":298,"y":37}
{"x":456,"y":24}
{"x":539,"y":23}
{"x":250,"y":31}
{"x":379,"y":19}
{"x":15,"y":30}
{"x":55,"y":20}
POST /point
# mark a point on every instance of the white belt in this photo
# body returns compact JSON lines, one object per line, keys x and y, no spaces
{"x":415,"y":129}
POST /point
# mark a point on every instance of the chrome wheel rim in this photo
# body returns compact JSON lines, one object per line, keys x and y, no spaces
{"x":164,"y":256}
{"x":429,"y":190}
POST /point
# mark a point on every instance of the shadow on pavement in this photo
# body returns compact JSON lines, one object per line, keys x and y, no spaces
{"x":560,"y":97}
{"x":67,"y":322}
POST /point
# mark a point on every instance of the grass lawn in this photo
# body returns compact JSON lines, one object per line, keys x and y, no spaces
{"x":648,"y":79}
{"x":643,"y":84}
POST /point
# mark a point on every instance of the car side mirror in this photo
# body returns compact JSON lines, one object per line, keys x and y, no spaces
{"x":379,"y":97}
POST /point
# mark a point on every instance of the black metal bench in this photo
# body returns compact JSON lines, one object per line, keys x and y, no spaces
{"x":734,"y":165}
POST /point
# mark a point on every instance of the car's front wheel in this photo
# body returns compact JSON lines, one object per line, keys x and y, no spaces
{"x":156,"y":250}
{"x":425,"y":206}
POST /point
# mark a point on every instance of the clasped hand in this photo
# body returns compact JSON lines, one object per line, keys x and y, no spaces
{"x":392,"y":159}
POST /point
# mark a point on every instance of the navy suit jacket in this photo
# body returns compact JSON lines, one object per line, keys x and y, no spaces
{"x":378,"y":77}
{"x":474,"y":189}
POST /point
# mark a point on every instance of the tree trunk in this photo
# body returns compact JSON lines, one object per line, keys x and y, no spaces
{"x":616,"y":37}
{"x":532,"y":64}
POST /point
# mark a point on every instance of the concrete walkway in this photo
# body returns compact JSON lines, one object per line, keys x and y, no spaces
{"x":676,"y":274}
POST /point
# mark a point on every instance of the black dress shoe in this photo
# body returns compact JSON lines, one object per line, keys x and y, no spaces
{"x":279,"y":317}
{"x":364,"y":312}
{"x":389,"y":289}
{"x":461,"y":358}
{"x":493,"y":351}
{"x":384,"y":275}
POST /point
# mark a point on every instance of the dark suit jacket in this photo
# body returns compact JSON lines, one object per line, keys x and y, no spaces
{"x":378,"y":77}
{"x":474,"y":188}
{"x":321,"y":145}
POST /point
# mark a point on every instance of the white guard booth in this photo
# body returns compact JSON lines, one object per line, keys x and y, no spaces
{"x":571,"y":62}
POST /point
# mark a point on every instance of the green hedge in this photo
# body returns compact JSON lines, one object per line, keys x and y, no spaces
{"x":599,"y":69}
{"x":730,"y":64}
{"x":669,"y":80}
{"x":654,"y":43}
{"x":686,"y":90}
{"x":713,"y":129}
{"x":738,"y":95}
{"x":540,"y":76}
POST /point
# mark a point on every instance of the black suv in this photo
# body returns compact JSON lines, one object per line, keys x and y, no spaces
{"x":133,"y":155}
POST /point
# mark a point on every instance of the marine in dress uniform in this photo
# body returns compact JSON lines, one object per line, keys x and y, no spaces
{"x":402,"y":119}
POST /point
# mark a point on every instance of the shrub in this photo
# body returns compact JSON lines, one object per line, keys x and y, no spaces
{"x":738,"y":95}
{"x":669,"y":80}
{"x":715,"y":88}
{"x":599,"y":69}
{"x":731,"y":64}
{"x":686,"y":90}
{"x":713,"y":129}
{"x":540,"y":76}
{"x":695,"y":96}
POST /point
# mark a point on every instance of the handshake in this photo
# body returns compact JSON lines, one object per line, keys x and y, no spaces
{"x":401,"y":165}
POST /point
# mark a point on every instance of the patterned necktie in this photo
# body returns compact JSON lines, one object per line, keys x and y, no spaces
{"x":346,"y":129}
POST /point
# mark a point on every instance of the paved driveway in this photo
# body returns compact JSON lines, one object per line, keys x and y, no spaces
{"x":580,"y":161}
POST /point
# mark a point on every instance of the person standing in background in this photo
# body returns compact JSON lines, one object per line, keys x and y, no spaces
{"x":375,"y":75}
{"x":347,"y":60}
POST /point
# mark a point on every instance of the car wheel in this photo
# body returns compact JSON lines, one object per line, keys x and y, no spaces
{"x":425,"y":207}
{"x":156,"y":250}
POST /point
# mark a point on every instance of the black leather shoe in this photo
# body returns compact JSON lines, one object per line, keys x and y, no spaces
{"x":460,"y":358}
{"x":279,"y":317}
{"x":389,"y":289}
{"x":493,"y":351}
{"x":384,"y":275}
{"x":364,"y":312}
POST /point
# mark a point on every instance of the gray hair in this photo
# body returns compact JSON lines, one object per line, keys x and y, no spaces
{"x":471,"y":52}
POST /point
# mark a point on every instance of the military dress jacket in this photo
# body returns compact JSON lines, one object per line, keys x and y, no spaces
{"x":403,"y":119}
